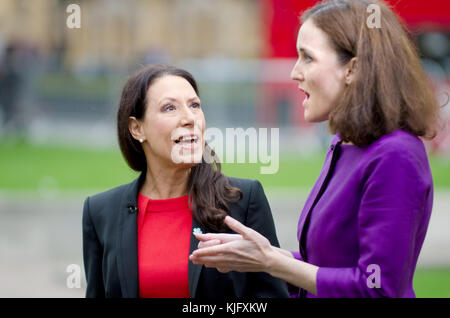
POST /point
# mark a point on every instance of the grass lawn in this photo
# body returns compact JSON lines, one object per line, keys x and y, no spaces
{"x":27,"y":167}
{"x":30,"y":168}
{"x":432,"y":283}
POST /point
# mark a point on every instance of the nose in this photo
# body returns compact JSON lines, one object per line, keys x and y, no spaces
{"x":187,"y":117}
{"x":296,"y":73}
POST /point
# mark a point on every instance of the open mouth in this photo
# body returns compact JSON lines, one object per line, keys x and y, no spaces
{"x":307,"y":96}
{"x":188,"y":139}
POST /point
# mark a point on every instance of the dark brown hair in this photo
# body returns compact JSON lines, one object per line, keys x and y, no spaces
{"x":390,"y":90}
{"x":209,"y":190}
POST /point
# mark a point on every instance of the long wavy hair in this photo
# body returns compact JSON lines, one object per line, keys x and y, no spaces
{"x":390,"y":90}
{"x":210,"y":194}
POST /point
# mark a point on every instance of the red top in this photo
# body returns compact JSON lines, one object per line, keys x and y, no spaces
{"x":164,"y":232}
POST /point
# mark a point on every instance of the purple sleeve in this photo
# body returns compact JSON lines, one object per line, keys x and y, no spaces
{"x":296,"y":255}
{"x":393,"y":213}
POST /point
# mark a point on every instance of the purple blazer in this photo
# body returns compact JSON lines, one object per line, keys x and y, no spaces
{"x":366,"y":217}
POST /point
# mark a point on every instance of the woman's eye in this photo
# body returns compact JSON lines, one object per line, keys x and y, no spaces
{"x":168,"y":107}
{"x":195,"y":105}
{"x":307,"y":58}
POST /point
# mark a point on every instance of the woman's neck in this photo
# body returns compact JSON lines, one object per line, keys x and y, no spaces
{"x":165,"y":183}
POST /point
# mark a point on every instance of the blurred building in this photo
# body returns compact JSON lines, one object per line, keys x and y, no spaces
{"x":115,"y":32}
{"x":240,"y":51}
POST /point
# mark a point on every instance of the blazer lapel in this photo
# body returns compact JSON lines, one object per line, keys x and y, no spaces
{"x":321,"y":182}
{"x":127,"y":258}
{"x":312,"y":197}
{"x":194,"y":269}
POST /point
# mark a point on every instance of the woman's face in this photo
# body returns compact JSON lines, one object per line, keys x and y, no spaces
{"x":318,"y":72}
{"x":173,"y":125}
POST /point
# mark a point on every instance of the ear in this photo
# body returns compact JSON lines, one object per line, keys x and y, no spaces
{"x":350,"y":71}
{"x":135,"y":128}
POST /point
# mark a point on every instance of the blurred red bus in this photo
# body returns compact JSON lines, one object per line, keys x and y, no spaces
{"x":280,"y":100}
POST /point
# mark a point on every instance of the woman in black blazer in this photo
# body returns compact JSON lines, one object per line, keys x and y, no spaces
{"x":161,"y":129}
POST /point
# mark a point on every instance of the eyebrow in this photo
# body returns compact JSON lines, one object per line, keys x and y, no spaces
{"x":171,"y":99}
{"x":304,"y":50}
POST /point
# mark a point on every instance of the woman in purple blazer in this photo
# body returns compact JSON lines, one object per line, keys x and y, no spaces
{"x":365,"y":220}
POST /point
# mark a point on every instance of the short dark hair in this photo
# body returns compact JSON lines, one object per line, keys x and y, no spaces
{"x":209,"y":190}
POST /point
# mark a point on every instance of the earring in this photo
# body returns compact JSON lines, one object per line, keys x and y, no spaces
{"x":141,"y":140}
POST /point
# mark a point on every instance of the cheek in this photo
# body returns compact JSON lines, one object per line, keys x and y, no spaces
{"x":200,"y":123}
{"x":325,"y":88}
{"x":160,"y":132}
{"x":200,"y":116}
{"x":328,"y":85}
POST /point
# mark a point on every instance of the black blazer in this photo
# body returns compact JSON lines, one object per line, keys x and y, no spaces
{"x":110,"y":246}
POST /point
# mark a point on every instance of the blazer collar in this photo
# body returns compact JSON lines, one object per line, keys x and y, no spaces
{"x":194,"y":270}
{"x":127,"y":260}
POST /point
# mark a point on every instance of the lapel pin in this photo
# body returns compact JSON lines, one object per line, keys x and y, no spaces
{"x":197,"y":230}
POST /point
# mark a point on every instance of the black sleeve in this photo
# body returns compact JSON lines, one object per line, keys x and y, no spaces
{"x":259,"y":218}
{"x":92,"y":256}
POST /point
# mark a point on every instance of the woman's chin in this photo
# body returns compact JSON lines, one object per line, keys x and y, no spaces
{"x":308,"y":116}
{"x":312,"y":118}
{"x":188,"y":160}
{"x":188,"y":155}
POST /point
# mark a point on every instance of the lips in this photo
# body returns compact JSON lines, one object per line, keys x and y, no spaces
{"x":306,"y":96}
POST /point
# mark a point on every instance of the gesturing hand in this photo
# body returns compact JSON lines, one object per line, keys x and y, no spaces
{"x":247,"y":251}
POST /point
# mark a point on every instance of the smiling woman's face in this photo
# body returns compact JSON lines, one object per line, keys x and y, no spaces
{"x":318,"y":72}
{"x":173,"y":125}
